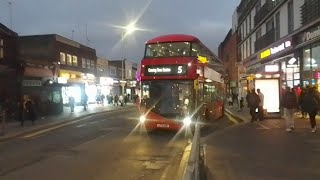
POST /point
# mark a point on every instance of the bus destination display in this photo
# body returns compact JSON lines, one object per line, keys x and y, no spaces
{"x":165,"y":70}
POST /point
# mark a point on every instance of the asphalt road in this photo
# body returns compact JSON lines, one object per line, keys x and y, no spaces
{"x":105,"y":146}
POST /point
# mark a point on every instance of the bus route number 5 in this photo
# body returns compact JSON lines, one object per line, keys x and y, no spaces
{"x":179,"y":69}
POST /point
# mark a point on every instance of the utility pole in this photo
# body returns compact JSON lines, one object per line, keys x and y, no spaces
{"x":87,"y":39}
{"x":72,"y":34}
{"x":11,"y":13}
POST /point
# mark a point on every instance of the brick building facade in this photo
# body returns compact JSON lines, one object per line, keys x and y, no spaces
{"x":228,"y":55}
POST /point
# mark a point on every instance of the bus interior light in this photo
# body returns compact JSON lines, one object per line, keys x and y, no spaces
{"x":142,"y":119}
{"x":187,"y":121}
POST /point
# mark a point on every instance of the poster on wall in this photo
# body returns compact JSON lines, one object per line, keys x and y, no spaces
{"x":270,"y":90}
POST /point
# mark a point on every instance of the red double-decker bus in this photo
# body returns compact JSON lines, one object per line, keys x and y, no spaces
{"x":179,"y":83}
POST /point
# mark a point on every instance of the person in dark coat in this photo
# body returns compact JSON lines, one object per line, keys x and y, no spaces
{"x":310,"y":104}
{"x":253,"y":101}
{"x":302,"y":95}
{"x":289,"y":105}
{"x":28,"y":110}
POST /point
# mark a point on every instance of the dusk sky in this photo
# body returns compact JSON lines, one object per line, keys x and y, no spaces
{"x":209,"y":20}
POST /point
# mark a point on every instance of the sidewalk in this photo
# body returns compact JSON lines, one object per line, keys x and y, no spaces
{"x":263,"y":150}
{"x":14,"y":129}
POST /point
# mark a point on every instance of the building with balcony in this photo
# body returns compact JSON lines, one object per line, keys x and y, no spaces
{"x":279,"y":39}
{"x":55,"y":60}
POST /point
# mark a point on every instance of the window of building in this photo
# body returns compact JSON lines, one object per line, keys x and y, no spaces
{"x":270,"y":25}
{"x":84,"y":63}
{"x":92,"y":64}
{"x":240,"y":33}
{"x":244,"y":50}
{"x":75,"y":60}
{"x":258,"y":6}
{"x":244,"y":29}
{"x":242,"y":53}
{"x":69,"y":59}
{"x":277,"y":26}
{"x":249,"y":25}
{"x":62,"y":58}
{"x":290,"y":17}
{"x":1,"y":53}
{"x":250,"y":52}
{"x":88,"y":63}
{"x":258,"y":34}
{"x":1,"y":49}
{"x":113,"y":71}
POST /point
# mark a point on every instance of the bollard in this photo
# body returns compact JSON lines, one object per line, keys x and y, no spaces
{"x":3,"y":123}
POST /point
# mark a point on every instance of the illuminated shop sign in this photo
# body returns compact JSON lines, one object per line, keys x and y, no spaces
{"x":272,"y":68}
{"x":311,"y":34}
{"x":292,"y":63}
{"x":32,"y":83}
{"x":166,"y":70}
{"x":275,"y":50}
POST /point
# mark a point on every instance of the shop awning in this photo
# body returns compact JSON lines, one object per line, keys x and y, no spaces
{"x":37,"y":72}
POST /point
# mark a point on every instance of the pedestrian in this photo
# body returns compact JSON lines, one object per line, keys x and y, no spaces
{"x":85,"y":101}
{"x":126,"y":98}
{"x":116,"y":99}
{"x":241,"y":103}
{"x":310,"y":104}
{"x":121,"y":100}
{"x":289,"y":106}
{"x":301,"y":97}
{"x":253,"y":100}
{"x":230,"y":101}
{"x":71,"y":103}
{"x":28,"y":110}
{"x":261,"y":104}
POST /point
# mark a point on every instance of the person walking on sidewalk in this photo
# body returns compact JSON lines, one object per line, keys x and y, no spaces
{"x":71,"y":103}
{"x":310,"y":104}
{"x":301,"y":97}
{"x":253,"y":100}
{"x":289,"y":106}
{"x":230,"y":101}
{"x":260,"y":107}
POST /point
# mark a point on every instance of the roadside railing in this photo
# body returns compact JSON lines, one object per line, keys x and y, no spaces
{"x":192,"y":171}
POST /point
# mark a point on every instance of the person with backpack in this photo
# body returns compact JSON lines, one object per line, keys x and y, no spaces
{"x":253,"y":102}
{"x":289,"y":105}
{"x":310,"y":104}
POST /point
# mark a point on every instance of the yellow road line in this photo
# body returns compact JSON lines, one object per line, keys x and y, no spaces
{"x":50,"y":129}
{"x":231,"y":118}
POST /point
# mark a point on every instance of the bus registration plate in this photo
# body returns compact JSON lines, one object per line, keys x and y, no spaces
{"x":163,"y":125}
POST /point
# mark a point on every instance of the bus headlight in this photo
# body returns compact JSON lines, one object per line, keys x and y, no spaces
{"x":187,"y":121}
{"x":142,"y":119}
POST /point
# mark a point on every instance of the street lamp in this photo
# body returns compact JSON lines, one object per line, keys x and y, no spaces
{"x":127,"y":30}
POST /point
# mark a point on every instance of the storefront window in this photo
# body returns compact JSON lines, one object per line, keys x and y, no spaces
{"x":316,"y":54}
{"x":306,"y":59}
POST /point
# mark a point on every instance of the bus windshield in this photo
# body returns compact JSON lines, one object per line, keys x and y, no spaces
{"x":171,"y":99}
{"x":172,"y":49}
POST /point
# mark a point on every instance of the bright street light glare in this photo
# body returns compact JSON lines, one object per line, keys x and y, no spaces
{"x":131,"y":28}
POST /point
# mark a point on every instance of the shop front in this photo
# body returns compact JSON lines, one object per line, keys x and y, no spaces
{"x":271,"y":71}
{"x":37,"y":83}
{"x":308,"y":51}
